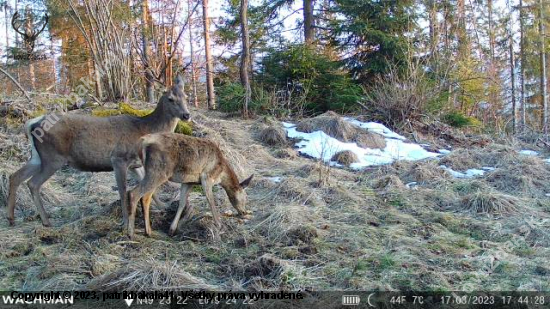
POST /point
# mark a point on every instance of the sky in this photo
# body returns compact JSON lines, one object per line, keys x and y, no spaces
{"x":215,"y":12}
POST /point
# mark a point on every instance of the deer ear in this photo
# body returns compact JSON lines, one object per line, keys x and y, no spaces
{"x":246,"y":182}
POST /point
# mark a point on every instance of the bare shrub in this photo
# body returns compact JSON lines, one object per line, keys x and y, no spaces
{"x":398,"y":98}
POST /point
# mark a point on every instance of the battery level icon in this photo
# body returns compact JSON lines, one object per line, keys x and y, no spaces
{"x":351,"y":300}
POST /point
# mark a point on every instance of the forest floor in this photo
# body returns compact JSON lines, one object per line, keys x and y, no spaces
{"x":312,"y":227}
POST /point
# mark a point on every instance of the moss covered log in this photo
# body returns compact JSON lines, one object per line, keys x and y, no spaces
{"x":126,"y":109}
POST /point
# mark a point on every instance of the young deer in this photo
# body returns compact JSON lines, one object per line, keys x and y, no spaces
{"x":186,"y":160}
{"x":92,"y":144}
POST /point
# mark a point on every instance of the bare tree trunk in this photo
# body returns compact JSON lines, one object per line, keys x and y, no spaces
{"x":16,"y":8}
{"x":7,"y":20}
{"x":54,"y":71}
{"x":434,"y":35}
{"x":245,"y":56}
{"x":309,"y":33}
{"x":447,"y":22}
{"x":194,"y":99}
{"x":461,"y":31}
{"x":98,"y":86}
{"x":491,"y":31}
{"x":513,"y":81}
{"x":522,"y":71}
{"x":29,"y":49}
{"x":207,"y":51}
{"x":145,"y":45}
{"x":543,"y":77}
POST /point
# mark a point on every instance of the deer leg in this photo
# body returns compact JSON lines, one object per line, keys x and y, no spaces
{"x":147,"y":187}
{"x":188,"y":211}
{"x":146,"y":204}
{"x":16,"y":179}
{"x":207,"y":187}
{"x":183,"y":205}
{"x":36,"y":182}
{"x":140,"y":173}
{"x":121,"y":167}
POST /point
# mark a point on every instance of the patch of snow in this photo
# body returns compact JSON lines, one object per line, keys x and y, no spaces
{"x":444,"y":151}
{"x":471,"y":173}
{"x":547,"y":160}
{"x":488,"y":168}
{"x":547,"y":194}
{"x":275,"y":179}
{"x":375,"y":128}
{"x":411,"y":184}
{"x":529,"y":152}
{"x":319,"y":145}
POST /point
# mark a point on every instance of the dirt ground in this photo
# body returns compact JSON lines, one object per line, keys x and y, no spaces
{"x":313,"y":227}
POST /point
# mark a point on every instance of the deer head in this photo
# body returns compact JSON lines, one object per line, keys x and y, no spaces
{"x":175,"y":100}
{"x":31,"y":31}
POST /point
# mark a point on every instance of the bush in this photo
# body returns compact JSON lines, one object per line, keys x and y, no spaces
{"x":230,"y":97}
{"x":307,"y":81}
{"x":126,"y":109}
{"x":458,"y":120}
{"x":402,"y":95}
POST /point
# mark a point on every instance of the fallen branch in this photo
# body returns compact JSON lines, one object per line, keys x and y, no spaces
{"x":16,"y":83}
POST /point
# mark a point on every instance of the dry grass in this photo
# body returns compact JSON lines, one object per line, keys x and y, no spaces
{"x":389,"y":182}
{"x":491,"y":202}
{"x":330,"y":123}
{"x":149,"y":275}
{"x":273,"y":136}
{"x":361,"y":231}
{"x":522,"y":175}
{"x":370,"y":140}
{"x":345,"y":157}
{"x":424,"y":172}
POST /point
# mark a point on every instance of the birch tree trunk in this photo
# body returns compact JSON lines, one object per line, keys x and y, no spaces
{"x":543,"y":77}
{"x":149,"y":91}
{"x":513,"y":82}
{"x":245,"y":57}
{"x":207,"y":51}
{"x":194,"y":99}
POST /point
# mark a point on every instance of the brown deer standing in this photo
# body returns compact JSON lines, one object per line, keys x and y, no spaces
{"x":186,"y":160}
{"x":92,"y":144}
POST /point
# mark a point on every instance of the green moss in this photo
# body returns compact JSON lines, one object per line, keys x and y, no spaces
{"x":184,"y":128}
{"x":126,"y":109}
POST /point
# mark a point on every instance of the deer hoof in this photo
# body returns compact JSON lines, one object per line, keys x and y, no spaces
{"x":11,"y":222}
{"x":47,"y":223}
{"x":171,"y":233}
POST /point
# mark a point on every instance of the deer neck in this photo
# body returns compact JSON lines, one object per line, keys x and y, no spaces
{"x":230,"y":183}
{"x":160,"y":120}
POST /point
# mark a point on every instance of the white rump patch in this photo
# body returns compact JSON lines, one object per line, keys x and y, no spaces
{"x":35,"y":157}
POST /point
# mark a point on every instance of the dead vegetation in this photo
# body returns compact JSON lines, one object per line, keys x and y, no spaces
{"x":408,"y":225}
{"x":490,"y":202}
{"x":273,"y":136}
{"x":345,"y":158}
{"x":335,"y":126}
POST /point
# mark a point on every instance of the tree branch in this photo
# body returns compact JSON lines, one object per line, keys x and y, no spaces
{"x":16,"y":83}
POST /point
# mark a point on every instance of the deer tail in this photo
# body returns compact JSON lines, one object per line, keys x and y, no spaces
{"x":35,"y":156}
